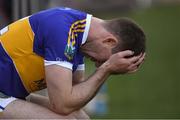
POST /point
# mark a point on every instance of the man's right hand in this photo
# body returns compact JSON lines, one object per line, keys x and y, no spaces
{"x":121,"y":62}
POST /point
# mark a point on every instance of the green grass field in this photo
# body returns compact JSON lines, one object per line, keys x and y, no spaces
{"x":154,"y":91}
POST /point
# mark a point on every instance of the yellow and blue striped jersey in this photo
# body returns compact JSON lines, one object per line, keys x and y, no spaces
{"x":49,"y":37}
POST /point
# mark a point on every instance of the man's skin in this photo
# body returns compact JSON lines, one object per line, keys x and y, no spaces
{"x":67,"y":98}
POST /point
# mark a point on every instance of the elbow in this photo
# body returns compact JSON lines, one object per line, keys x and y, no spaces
{"x":62,"y":109}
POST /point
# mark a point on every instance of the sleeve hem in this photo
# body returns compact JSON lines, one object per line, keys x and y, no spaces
{"x":59,"y":63}
{"x":81,"y":67}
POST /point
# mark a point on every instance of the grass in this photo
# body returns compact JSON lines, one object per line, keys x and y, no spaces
{"x":154,"y":91}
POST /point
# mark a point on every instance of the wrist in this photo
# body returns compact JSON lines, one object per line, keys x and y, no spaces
{"x":105,"y":68}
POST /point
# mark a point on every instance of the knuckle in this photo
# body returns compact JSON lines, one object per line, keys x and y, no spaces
{"x":129,"y":51}
{"x":119,"y":55}
{"x":129,"y":63}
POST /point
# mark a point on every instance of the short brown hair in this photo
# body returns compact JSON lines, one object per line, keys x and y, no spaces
{"x":130,"y":35}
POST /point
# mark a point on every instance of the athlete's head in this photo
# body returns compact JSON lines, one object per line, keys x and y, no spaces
{"x":107,"y":37}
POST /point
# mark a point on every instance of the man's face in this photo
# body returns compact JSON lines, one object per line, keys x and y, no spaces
{"x":97,"y":51}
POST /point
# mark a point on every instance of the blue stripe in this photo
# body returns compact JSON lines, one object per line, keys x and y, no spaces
{"x":2,"y":108}
{"x":10,"y":82}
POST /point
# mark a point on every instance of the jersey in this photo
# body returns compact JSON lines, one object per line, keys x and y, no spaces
{"x":53,"y":36}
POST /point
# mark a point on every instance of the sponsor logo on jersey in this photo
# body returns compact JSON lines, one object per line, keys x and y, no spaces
{"x":69,"y":51}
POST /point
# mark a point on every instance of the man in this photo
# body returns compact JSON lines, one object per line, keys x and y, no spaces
{"x":47,"y":49}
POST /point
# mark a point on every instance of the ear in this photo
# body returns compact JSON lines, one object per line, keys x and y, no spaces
{"x":110,"y":41}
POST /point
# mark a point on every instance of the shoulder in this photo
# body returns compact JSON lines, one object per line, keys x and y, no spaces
{"x":56,"y":19}
{"x":65,"y":14}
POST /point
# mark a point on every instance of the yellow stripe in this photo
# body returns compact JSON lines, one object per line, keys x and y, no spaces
{"x":76,"y":29}
{"x":79,"y":30}
{"x":73,"y":35}
{"x":80,"y":26}
{"x":72,"y":26}
{"x":79,"y":21}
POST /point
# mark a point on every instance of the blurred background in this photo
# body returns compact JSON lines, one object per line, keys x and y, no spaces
{"x":154,"y":91}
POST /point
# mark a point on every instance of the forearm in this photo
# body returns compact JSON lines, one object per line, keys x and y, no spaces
{"x":83,"y":92}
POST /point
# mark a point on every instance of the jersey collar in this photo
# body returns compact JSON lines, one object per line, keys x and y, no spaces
{"x":88,"y":22}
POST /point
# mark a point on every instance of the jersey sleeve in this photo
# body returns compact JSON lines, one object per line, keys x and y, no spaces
{"x":57,"y":51}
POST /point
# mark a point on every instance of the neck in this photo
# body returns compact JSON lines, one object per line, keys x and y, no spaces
{"x":96,"y":29}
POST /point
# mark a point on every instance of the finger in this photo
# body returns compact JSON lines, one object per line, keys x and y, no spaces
{"x":132,"y":67}
{"x":135,"y":58}
{"x":126,"y":53}
{"x":140,"y":61}
{"x":137,"y":63}
{"x":133,"y":71}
